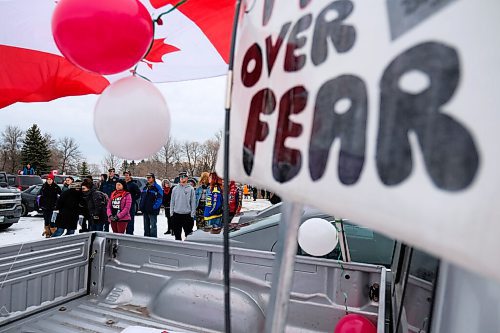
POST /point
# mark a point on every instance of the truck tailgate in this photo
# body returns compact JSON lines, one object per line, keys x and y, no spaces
{"x":36,"y":275}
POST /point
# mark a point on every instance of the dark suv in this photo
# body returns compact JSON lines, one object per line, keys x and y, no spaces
{"x":22,"y":182}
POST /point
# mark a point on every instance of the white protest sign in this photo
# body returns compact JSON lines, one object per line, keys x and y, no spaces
{"x":383,"y":112}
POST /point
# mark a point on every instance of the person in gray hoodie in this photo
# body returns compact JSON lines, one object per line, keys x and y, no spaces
{"x":183,"y":207}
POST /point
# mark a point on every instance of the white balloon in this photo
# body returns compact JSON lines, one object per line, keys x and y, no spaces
{"x":131,"y":119}
{"x":318,"y":237}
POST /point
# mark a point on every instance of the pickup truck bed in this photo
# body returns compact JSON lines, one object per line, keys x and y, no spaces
{"x":105,"y":282}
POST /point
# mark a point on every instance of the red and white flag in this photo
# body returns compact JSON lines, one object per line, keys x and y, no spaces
{"x":192,"y":43}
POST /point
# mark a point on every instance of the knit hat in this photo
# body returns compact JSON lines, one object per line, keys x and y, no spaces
{"x":183,"y":174}
{"x":123,"y":182}
{"x":151,"y":175}
{"x":88,"y":183}
{"x":50,"y":176}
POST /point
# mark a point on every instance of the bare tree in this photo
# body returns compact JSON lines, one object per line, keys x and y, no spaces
{"x":11,"y":142}
{"x":69,"y":153}
{"x":176,"y":152}
{"x":168,"y":154}
{"x":210,"y":148}
{"x":111,"y":161}
{"x":192,"y":152}
{"x":94,"y":169}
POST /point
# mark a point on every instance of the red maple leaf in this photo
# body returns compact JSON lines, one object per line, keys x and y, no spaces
{"x":159,"y":49}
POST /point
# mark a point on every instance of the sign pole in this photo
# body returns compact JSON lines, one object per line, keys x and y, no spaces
{"x":283,"y":269}
{"x":225,"y":197}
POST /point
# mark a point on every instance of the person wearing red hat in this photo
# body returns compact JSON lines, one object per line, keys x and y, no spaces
{"x":48,"y":199}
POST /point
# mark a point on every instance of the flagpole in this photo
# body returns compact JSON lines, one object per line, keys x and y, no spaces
{"x":227,"y":258}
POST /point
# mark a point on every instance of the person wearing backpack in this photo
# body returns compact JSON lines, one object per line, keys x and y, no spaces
{"x":151,"y":200}
{"x":97,"y":203}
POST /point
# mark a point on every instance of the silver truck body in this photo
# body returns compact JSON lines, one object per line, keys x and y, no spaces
{"x":75,"y":284}
{"x":10,"y":204}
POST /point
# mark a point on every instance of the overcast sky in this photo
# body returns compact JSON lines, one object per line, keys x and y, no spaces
{"x":196,"y":108}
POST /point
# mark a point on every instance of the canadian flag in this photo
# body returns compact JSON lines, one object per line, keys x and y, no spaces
{"x":192,"y":43}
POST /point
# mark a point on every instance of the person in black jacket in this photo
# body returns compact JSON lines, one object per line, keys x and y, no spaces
{"x":68,"y":202}
{"x":48,"y":199}
{"x":135,"y":192}
{"x":97,"y":203}
{"x":108,"y":187}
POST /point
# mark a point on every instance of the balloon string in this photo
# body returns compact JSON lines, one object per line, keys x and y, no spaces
{"x":139,"y":75}
{"x":170,"y":10}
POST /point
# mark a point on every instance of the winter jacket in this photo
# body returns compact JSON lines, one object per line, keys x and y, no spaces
{"x":97,"y":205}
{"x":49,"y":195}
{"x":151,"y":198}
{"x":68,"y":209}
{"x":199,"y":193}
{"x":183,"y":200}
{"x":234,"y":198}
{"x":213,"y":205}
{"x":30,"y":171}
{"x":109,"y":185}
{"x":134,"y":190}
{"x":119,"y":205}
{"x":167,"y":197}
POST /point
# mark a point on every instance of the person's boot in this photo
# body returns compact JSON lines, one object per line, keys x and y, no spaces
{"x":46,"y":232}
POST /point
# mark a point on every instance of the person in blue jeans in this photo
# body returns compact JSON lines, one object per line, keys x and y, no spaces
{"x":151,"y":199}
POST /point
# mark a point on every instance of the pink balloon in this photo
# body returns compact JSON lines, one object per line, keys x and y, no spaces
{"x":102,"y":36}
{"x":354,"y":323}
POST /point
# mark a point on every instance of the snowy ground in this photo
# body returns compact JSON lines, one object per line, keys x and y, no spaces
{"x":30,"y":228}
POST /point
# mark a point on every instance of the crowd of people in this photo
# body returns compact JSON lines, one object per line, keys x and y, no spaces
{"x":114,"y":202}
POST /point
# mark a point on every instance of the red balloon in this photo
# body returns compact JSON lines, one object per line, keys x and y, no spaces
{"x":103,"y":36}
{"x":354,"y":323}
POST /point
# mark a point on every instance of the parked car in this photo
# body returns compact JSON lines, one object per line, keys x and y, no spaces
{"x":10,"y":203}
{"x":59,"y":179}
{"x":356,"y":243}
{"x":29,"y":199}
{"x":22,"y":182}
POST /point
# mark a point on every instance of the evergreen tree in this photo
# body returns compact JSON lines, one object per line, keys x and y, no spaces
{"x":84,"y":169}
{"x":132,"y":167}
{"x":124,"y":167}
{"x":36,"y":150}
